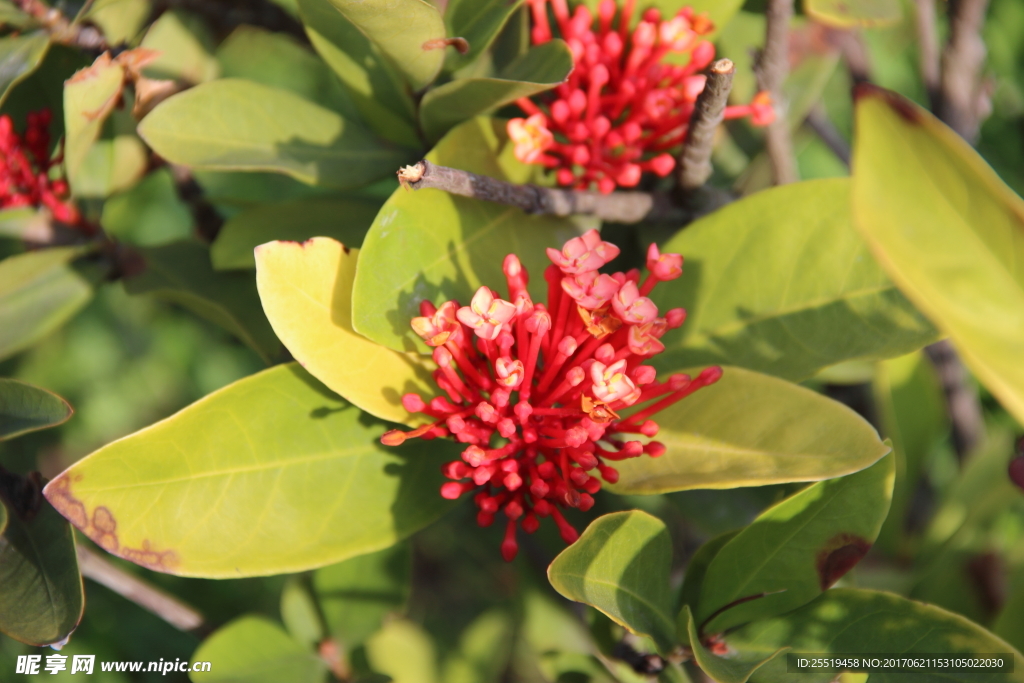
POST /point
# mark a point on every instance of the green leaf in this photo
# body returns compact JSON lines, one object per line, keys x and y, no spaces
{"x":3,"y":517}
{"x":356,"y":595}
{"x":403,"y":651}
{"x":181,"y":273}
{"x":795,"y":550}
{"x":25,"y":408}
{"x":1010,"y":624}
{"x":254,"y":649}
{"x":300,"y":615}
{"x":948,"y":231}
{"x":41,"y":597}
{"x":430,"y":244}
{"x":540,"y":69}
{"x":306,"y":291}
{"x":696,"y":572}
{"x":724,"y":670}
{"x":912,"y":410}
{"x":184,"y":44}
{"x":25,"y":223}
{"x":780,"y":282}
{"x":120,"y":20}
{"x":379,"y":93}
{"x":39,"y":292}
{"x":232,"y":124}
{"x":410,"y":33}
{"x":620,"y":565}
{"x":11,"y":15}
{"x":750,"y":429}
{"x":90,"y":96}
{"x":865,"y":622}
{"x":862,"y":13}
{"x":302,"y":472}
{"x":345,"y":220}
{"x":479,"y":22}
{"x":280,"y":61}
{"x":148,"y":214}
{"x":19,"y":57}
{"x":483,"y":650}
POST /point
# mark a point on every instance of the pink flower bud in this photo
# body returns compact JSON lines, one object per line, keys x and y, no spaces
{"x":631,"y":307}
{"x":583,"y":254}
{"x":486,"y":314}
{"x":663,"y":267}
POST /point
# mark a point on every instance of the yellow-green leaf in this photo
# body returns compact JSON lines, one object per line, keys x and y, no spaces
{"x":429,"y":244}
{"x":780,"y":282}
{"x":39,"y":292}
{"x":306,"y":291}
{"x":345,"y":220}
{"x":184,"y":47}
{"x":90,"y":96}
{"x":272,"y":474}
{"x":735,"y":669}
{"x":540,"y":69}
{"x":854,"y":13}
{"x":232,"y":124}
{"x":750,"y":429}
{"x":620,"y":565}
{"x":410,"y":33}
{"x":948,"y":231}
{"x":19,"y":57}
{"x":253,"y":649}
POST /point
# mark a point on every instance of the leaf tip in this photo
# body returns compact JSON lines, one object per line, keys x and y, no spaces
{"x":907,"y":110}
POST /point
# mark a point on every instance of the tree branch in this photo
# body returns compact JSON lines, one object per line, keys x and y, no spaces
{"x":928,"y":49}
{"x":772,"y":68}
{"x":962,"y":97}
{"x":615,"y":207}
{"x":62,"y":30}
{"x":819,"y":122}
{"x":145,"y":595}
{"x":695,"y":159}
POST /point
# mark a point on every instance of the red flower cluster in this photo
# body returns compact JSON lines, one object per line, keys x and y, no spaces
{"x":534,"y":391}
{"x":622,"y":110}
{"x":25,"y":166}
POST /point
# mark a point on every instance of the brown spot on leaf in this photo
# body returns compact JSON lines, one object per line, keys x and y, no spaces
{"x":58,"y":492}
{"x":161,"y":561}
{"x":460,"y":44}
{"x":901,"y":105}
{"x":839,"y":556}
{"x":101,"y":527}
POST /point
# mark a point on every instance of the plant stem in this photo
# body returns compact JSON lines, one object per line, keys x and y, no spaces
{"x":695,"y":159}
{"x":962,"y":97}
{"x":145,"y":595}
{"x":772,"y":68}
{"x":616,"y":207}
{"x":928,"y":44}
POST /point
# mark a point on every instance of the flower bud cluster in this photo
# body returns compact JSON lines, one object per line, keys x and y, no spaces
{"x":25,"y":166}
{"x":623,"y":110}
{"x":535,"y":390}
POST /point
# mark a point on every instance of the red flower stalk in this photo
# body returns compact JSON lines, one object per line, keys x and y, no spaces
{"x":550,"y":382}
{"x":25,"y":166}
{"x":622,"y":111}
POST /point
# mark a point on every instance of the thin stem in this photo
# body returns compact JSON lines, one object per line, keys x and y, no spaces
{"x":145,"y":595}
{"x":695,"y":159}
{"x":772,"y":68}
{"x":617,"y":207}
{"x":819,"y":122}
{"x":963,"y":99}
{"x":928,"y":48}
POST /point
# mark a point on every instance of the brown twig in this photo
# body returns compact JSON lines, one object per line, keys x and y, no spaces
{"x":962,"y":94}
{"x":149,"y":597}
{"x":208,"y":221}
{"x":61,"y":29}
{"x":695,"y":159}
{"x":928,"y":48}
{"x":616,"y":207}
{"x":962,"y":402}
{"x":819,"y":122}
{"x":772,"y":68}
